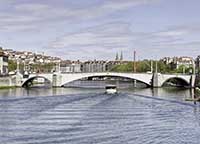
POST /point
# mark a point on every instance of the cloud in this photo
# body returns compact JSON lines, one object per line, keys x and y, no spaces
{"x":86,"y":39}
{"x":103,"y":34}
{"x":109,"y":38}
{"x":173,"y":33}
{"x":124,"y":4}
{"x":179,"y":31}
{"x":28,"y":7}
{"x":97,"y":40}
{"x":37,"y":13}
{"x":17,"y":28}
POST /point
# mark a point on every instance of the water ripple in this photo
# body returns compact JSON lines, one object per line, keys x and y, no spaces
{"x":98,"y":119}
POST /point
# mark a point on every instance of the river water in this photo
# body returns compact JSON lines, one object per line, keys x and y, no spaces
{"x":89,"y":116}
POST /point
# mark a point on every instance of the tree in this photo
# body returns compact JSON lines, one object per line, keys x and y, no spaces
{"x":143,"y":67}
{"x":122,"y":68}
{"x":12,"y":66}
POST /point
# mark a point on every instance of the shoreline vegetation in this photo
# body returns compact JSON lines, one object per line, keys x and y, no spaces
{"x":8,"y":87}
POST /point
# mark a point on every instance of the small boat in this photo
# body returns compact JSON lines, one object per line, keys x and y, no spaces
{"x":111,"y":89}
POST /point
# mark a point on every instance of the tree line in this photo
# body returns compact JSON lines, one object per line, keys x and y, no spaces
{"x":145,"y":66}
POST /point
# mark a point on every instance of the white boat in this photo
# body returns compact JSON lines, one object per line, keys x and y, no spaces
{"x":111,"y":89}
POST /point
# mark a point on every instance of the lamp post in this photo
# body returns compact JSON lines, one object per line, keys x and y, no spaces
{"x":59,"y":66}
{"x":17,"y":66}
{"x":194,"y":69}
{"x":134,"y":62}
{"x":184,"y":70}
{"x":151,"y":66}
{"x":134,"y":67}
{"x":156,"y":66}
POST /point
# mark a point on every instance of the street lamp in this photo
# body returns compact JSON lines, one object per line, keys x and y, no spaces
{"x":59,"y":66}
{"x":194,"y":69}
{"x":17,"y":66}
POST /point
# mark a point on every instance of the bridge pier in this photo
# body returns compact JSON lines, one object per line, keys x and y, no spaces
{"x":156,"y":81}
{"x":57,"y":80}
{"x":18,"y":79}
{"x":192,"y":80}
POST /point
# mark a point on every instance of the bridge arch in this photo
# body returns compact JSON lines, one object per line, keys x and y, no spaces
{"x":178,"y":79}
{"x":27,"y":82}
{"x":139,"y":77}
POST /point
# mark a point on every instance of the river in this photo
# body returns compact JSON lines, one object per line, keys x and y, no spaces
{"x":89,"y":116}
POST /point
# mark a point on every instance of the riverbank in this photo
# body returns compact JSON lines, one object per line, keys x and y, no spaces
{"x":7,"y":87}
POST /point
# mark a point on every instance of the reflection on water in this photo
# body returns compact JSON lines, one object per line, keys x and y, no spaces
{"x":174,"y":93}
{"x":88,"y":116}
{"x":102,"y":83}
{"x":79,"y":87}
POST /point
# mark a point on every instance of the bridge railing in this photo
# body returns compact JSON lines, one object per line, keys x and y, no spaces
{"x":109,"y":72}
{"x":100,"y":72}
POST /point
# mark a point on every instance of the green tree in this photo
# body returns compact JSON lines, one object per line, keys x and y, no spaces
{"x":42,"y":67}
{"x":12,"y":66}
{"x":123,"y":68}
{"x":183,"y":69}
{"x":143,"y":66}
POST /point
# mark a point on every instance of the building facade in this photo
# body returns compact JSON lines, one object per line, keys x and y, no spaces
{"x":68,"y":66}
{"x":176,"y":62}
{"x":94,"y":66}
{"x":3,"y":64}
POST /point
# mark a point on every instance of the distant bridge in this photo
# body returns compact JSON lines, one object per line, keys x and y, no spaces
{"x":153,"y":80}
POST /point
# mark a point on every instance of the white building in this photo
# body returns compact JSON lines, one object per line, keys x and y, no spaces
{"x":167,"y":60}
{"x":3,"y":64}
{"x":71,"y":66}
{"x":176,"y":62}
{"x":184,"y":61}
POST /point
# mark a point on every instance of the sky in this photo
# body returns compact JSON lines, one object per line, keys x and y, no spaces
{"x":98,"y":29}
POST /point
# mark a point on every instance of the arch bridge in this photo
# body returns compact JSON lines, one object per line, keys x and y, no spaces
{"x":153,"y":80}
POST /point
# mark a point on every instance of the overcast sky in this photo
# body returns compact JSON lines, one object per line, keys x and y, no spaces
{"x":97,"y":29}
